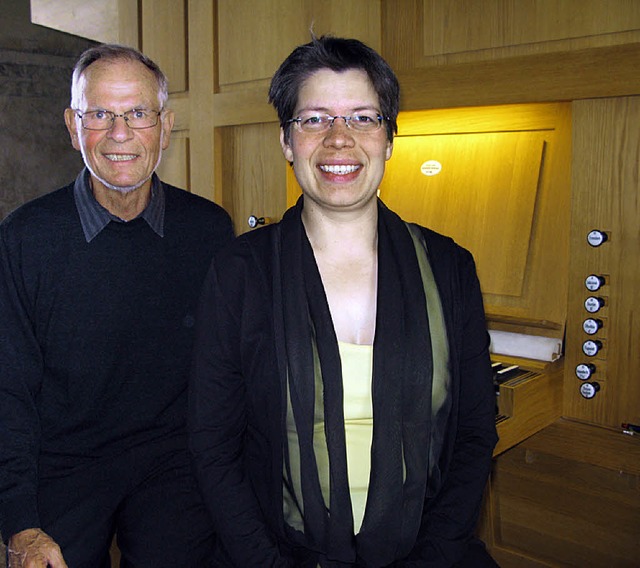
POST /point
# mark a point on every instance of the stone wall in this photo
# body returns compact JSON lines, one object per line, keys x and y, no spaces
{"x":35,"y":72}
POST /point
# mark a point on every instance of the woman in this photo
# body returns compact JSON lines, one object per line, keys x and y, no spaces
{"x":342,"y":409}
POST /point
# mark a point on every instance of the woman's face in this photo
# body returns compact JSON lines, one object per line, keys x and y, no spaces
{"x":339,"y":169}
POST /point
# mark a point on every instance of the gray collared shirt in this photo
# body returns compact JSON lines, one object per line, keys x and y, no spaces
{"x":94,"y":217}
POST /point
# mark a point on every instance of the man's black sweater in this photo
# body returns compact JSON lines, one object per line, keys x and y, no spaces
{"x":95,"y":337}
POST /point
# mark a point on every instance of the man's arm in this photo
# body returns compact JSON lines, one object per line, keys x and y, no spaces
{"x":32,"y":548}
{"x":20,"y":378}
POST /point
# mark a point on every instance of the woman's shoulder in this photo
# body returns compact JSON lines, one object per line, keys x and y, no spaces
{"x":247,"y":260}
{"x":440,"y":245}
{"x":254,"y":245}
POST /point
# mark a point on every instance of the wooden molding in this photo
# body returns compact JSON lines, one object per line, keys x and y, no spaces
{"x":588,"y":73}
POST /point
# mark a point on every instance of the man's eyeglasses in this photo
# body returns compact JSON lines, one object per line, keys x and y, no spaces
{"x":313,"y":122}
{"x":137,"y":118}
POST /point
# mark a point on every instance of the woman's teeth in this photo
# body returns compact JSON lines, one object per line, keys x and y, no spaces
{"x":339,"y":170}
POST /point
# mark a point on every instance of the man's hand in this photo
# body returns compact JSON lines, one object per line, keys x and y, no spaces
{"x":33,"y":548}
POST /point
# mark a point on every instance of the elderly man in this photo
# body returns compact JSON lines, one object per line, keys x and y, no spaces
{"x":98,"y":286}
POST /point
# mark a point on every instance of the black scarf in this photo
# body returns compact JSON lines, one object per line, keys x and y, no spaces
{"x":401,"y":387}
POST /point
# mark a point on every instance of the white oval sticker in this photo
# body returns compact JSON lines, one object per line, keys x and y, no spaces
{"x":431,"y":168}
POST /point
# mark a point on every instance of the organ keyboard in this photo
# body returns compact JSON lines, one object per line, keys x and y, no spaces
{"x":528,"y":397}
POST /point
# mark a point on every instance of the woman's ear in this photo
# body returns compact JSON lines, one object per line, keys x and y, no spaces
{"x":286,"y":147}
{"x":389,"y":150}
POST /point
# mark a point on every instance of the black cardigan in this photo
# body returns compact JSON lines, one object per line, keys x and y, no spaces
{"x":235,"y":410}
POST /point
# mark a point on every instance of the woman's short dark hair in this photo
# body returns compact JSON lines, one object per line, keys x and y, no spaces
{"x":337,"y":54}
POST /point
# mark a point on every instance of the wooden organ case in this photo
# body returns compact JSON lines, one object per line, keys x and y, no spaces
{"x":497,"y":180}
{"x":521,"y":187}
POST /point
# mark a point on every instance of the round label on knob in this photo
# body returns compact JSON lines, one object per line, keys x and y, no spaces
{"x":590,"y":347}
{"x":591,"y":326}
{"x":593,"y":282}
{"x":593,"y":304}
{"x":584,"y":371}
{"x":589,"y":390}
{"x":596,"y":238}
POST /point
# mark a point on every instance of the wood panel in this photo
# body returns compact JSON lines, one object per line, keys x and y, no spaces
{"x":202,"y":49}
{"x":253,"y":173}
{"x":256,"y":36}
{"x":602,"y":72}
{"x":249,"y":106}
{"x":603,"y":64}
{"x":173,"y":168}
{"x":426,"y":33}
{"x":500,"y":28}
{"x":164,"y":39}
{"x":128,"y":23}
{"x":568,"y":496}
{"x":511,"y":211}
{"x":606,"y":171}
{"x":479,"y":188}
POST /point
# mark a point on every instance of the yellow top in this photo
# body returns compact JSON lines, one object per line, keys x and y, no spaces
{"x":357,"y":371}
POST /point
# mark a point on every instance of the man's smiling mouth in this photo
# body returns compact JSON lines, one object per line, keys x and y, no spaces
{"x":120,"y":157}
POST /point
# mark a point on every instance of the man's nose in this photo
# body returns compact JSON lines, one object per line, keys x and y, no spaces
{"x":119,"y":128}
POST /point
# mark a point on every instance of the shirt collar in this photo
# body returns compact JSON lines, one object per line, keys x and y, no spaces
{"x":94,"y":217}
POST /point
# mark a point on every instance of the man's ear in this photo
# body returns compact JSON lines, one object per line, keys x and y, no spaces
{"x":167,"y":118}
{"x":72,"y":127}
{"x":286,"y":148}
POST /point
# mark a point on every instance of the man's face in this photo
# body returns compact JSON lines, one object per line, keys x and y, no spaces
{"x":121,"y":158}
{"x":340,"y":168}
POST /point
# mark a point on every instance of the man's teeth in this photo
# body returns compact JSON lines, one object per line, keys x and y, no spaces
{"x":120,"y":157}
{"x":339,"y":170}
